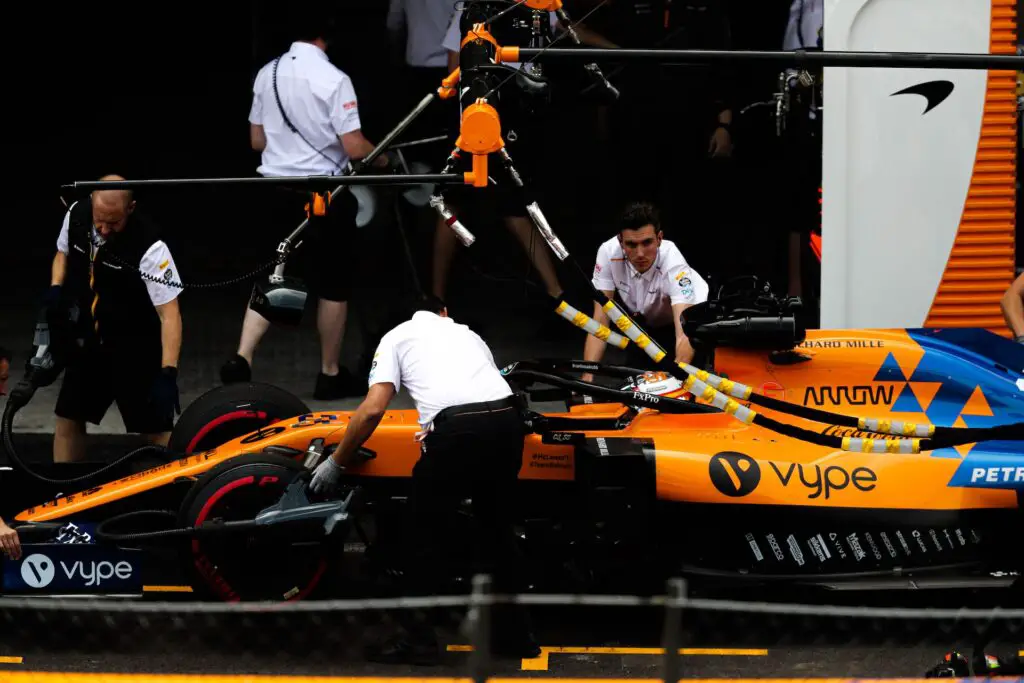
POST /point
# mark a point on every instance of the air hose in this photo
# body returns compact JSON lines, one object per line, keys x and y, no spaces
{"x":666,"y":404}
{"x":19,"y":398}
{"x":721,"y":393}
{"x":206,"y":528}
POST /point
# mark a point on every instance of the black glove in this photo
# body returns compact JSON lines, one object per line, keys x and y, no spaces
{"x":165,"y":392}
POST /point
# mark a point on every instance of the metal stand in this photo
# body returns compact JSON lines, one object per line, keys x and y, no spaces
{"x":672,"y":633}
{"x":479,"y":619}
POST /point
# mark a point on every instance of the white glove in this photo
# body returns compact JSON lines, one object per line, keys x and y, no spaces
{"x":326,"y":476}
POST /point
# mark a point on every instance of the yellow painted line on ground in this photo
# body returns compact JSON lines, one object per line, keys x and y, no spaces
{"x":92,"y":677}
{"x":11,"y":660}
{"x":541,"y":663}
{"x":167,"y":589}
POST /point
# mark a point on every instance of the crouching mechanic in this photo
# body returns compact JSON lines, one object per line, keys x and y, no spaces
{"x":111,"y":287}
{"x":471,"y":444}
{"x":648,"y":276}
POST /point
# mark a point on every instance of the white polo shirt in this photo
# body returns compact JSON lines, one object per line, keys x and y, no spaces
{"x":440,"y":362}
{"x":157,"y":262}
{"x":670,"y":280}
{"x":426,"y":22}
{"x":320,"y":102}
{"x":453,"y":37}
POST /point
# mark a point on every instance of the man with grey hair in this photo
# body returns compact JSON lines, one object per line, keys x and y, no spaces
{"x":113,"y":310}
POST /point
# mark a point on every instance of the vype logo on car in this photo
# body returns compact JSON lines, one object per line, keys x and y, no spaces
{"x":39,"y":571}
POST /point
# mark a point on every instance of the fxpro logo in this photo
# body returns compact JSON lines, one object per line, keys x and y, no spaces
{"x":39,"y":571}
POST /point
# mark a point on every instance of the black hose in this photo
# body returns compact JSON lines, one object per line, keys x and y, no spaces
{"x":206,"y":528}
{"x":6,"y":430}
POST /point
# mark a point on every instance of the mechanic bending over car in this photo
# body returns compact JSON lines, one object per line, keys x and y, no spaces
{"x":1012,"y":304}
{"x":648,"y":275}
{"x":471,"y":444}
{"x":111,"y":287}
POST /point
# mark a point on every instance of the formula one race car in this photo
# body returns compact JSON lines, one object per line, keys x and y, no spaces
{"x":654,"y":477}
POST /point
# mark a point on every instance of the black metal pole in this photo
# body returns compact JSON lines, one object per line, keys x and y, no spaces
{"x":892,"y":60}
{"x":304,"y":181}
{"x":671,"y":635}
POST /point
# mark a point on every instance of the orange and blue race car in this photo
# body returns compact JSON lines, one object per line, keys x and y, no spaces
{"x":810,"y":458}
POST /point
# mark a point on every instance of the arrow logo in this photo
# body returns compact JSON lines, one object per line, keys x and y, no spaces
{"x":933,"y":91}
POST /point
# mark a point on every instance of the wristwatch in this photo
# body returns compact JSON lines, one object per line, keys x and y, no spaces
{"x":1020,"y":339}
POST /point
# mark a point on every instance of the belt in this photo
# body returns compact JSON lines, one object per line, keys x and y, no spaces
{"x":482,"y":408}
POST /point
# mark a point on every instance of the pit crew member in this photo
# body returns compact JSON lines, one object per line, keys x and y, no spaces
{"x":472,"y":437}
{"x":113,"y":269}
{"x":314,"y":129}
{"x":505,"y":199}
{"x":10,"y":545}
{"x":1012,"y":304}
{"x":647,"y":275}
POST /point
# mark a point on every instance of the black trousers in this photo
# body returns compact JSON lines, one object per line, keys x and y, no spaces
{"x":475,"y":450}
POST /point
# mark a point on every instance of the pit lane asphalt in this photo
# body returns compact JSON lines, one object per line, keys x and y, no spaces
{"x":579,"y":643}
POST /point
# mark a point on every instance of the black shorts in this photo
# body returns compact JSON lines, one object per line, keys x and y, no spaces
{"x":99,"y":378}
{"x":324,"y":254}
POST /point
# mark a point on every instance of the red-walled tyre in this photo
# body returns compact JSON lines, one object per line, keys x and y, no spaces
{"x":231,"y":411}
{"x":248,"y":566}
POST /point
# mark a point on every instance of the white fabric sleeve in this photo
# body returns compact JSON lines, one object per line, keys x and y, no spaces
{"x":602,"y":279}
{"x":158,"y":263}
{"x":62,"y":238}
{"x":452,"y":37}
{"x":256,"y":109}
{"x":385,"y":366}
{"x":344,"y":108}
{"x":684,"y":285}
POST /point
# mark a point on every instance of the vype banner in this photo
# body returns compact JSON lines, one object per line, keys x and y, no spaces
{"x":58,"y":568}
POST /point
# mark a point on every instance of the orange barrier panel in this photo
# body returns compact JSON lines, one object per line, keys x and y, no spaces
{"x":983,"y":251}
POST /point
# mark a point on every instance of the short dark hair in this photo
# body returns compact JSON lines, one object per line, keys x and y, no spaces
{"x":429,"y":302}
{"x":312,"y":19}
{"x":639,"y":214}
{"x":5,"y":354}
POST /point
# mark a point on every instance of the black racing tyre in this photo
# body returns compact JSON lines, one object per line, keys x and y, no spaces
{"x":246,"y":566}
{"x":229,"y":412}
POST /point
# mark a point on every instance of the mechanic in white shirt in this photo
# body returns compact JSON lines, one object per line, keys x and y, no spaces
{"x":651,"y":279}
{"x":472,"y":438}
{"x":114,"y":269}
{"x":305,"y":121}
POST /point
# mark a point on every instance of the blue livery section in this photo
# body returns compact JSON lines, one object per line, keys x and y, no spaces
{"x":981,"y":384}
{"x":73,"y":568}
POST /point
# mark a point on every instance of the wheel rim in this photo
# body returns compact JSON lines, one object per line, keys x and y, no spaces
{"x":243,"y":566}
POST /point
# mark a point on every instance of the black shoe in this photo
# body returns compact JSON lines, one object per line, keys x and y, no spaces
{"x":235,"y":370}
{"x":402,"y":650}
{"x":333,"y":387}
